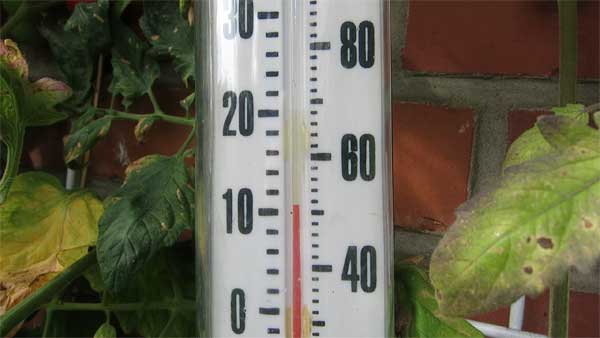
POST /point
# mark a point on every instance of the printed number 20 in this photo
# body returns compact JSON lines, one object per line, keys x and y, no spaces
{"x":365,"y":53}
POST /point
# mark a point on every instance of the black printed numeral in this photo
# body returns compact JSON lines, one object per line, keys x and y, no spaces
{"x":238,"y":311}
{"x":365,"y":53}
{"x":240,"y":18}
{"x":363,"y":162}
{"x":368,"y":268}
{"x":244,"y":210}
{"x":245,"y":112}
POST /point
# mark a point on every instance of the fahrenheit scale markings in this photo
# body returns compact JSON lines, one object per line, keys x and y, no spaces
{"x":299,"y":214}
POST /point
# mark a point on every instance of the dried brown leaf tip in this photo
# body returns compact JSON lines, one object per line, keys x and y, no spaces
{"x":528,"y":270}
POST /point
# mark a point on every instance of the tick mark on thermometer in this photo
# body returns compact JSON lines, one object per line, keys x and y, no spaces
{"x":315,"y":212}
{"x":313,"y":24}
{"x":272,"y":93}
{"x":272,"y":132}
{"x":313,"y":2}
{"x":272,"y":251}
{"x":268,"y":15}
{"x":316,"y":101}
{"x":272,"y":34}
{"x":272,"y":271}
{"x":318,"y":323}
{"x":272,"y":232}
{"x":272,"y":152}
{"x":273,"y":331}
{"x":313,"y":35}
{"x":320,"y":156}
{"x":273,"y":311}
{"x":324,"y":45}
{"x":268,"y":113}
{"x":322,"y":268}
{"x":313,"y":79}
{"x":271,"y":172}
{"x":273,"y":291}
{"x":272,"y":73}
{"x":272,"y":192}
{"x":268,"y":211}
{"x":272,"y":54}
{"x":313,"y":13}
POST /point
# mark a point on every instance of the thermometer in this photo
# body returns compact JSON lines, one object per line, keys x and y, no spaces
{"x":294,"y":228}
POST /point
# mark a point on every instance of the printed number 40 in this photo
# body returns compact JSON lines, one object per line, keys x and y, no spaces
{"x":367,"y":265}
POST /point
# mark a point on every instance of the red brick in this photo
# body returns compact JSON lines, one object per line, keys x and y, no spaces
{"x":583,"y":315}
{"x":521,"y":120}
{"x":431,"y":156}
{"x":496,"y":37}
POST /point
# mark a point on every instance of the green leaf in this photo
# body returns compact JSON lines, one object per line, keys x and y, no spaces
{"x":44,"y":229}
{"x":74,"y":60}
{"x":119,"y":6}
{"x":143,"y":125}
{"x":170,"y":34}
{"x":531,"y":144}
{"x":84,"y":139}
{"x":188,"y":101}
{"x":522,"y":236}
{"x":44,"y":95}
{"x":415,"y":291}
{"x":528,"y":146}
{"x":12,"y":124}
{"x":147,"y":213}
{"x":134,"y":70}
{"x":106,"y":331}
{"x":168,"y":278}
{"x":90,"y":22}
{"x":11,"y":56}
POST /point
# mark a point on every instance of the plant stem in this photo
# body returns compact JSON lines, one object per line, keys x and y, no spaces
{"x":558,"y":325}
{"x":154,"y":102}
{"x":186,"y":143}
{"x":159,"y":305}
{"x":44,"y":294}
{"x":136,"y":117}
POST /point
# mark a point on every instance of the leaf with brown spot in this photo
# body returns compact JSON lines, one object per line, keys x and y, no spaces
{"x":143,"y":126}
{"x":84,"y":139}
{"x":535,"y":215}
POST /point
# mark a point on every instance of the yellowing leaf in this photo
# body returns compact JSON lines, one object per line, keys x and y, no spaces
{"x":43,"y":230}
{"x":519,"y":238}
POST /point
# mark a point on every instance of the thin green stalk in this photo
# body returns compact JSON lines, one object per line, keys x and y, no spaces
{"x":186,"y":143}
{"x":13,"y":158}
{"x":154,"y":102}
{"x":136,"y":117}
{"x":558,"y":325}
{"x":44,"y":294}
{"x":160,"y":305}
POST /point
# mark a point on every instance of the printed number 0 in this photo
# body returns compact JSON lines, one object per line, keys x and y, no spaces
{"x":366,"y":44}
{"x":244,"y":21}
{"x":238,"y":311}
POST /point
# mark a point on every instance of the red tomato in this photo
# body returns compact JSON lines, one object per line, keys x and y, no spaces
{"x":72,"y":3}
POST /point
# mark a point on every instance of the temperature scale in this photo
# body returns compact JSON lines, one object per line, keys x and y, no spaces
{"x":294,"y":227}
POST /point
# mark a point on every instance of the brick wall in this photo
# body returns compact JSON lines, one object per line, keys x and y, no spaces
{"x":468,"y":78}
